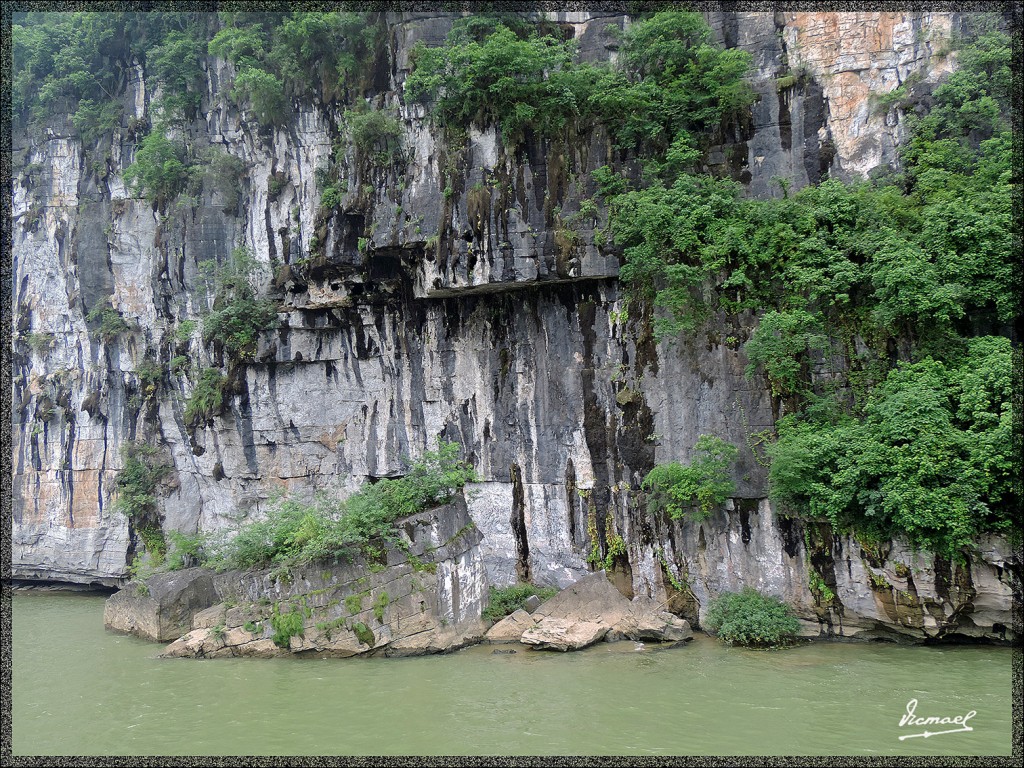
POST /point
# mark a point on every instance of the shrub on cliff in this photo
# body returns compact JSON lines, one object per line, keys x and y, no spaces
{"x":207,"y":398}
{"x":238,"y":314}
{"x":136,"y":481}
{"x":696,"y":488}
{"x":296,"y":532}
{"x":750,"y":618}
{"x":162,"y":169}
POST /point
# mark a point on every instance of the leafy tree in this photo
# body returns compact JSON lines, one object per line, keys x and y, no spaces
{"x":161,"y":170}
{"x":930,"y":459}
{"x":781,"y":346}
{"x":516,"y":82}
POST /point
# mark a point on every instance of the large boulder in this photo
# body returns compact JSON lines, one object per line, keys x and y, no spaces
{"x":511,"y":628}
{"x":162,"y":607}
{"x":595,"y":599}
{"x":586,"y":611}
{"x":564,"y":635}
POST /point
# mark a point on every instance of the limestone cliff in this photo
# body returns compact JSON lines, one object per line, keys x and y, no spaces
{"x":439,"y":300}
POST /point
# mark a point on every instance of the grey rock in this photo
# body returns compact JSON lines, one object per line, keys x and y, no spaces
{"x":511,"y":628}
{"x":564,"y":635}
{"x":164,"y":607}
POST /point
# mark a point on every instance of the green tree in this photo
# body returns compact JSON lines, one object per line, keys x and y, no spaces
{"x":161,"y":170}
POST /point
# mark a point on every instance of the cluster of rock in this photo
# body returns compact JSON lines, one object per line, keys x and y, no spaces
{"x":590,"y":610}
{"x":425,"y":596}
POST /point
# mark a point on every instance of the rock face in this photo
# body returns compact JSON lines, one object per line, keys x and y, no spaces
{"x":408,"y":315}
{"x":427,"y":599}
{"x":863,"y":591}
{"x":162,"y":607}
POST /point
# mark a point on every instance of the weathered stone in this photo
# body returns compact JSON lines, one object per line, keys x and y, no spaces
{"x":511,"y":628}
{"x":261,"y":649}
{"x":661,"y":626}
{"x":163,"y":608}
{"x":189,"y":645}
{"x":211,"y":617}
{"x":239,"y":636}
{"x":562,"y":405}
{"x":532,"y":603}
{"x":564,"y":635}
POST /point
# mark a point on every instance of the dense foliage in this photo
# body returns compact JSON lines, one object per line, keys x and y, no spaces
{"x":673,"y":86}
{"x":697,"y":488}
{"x":503,"y":601}
{"x":749,"y":618}
{"x":283,"y":56}
{"x":73,"y":63}
{"x":879,"y":302}
{"x":928,"y":456}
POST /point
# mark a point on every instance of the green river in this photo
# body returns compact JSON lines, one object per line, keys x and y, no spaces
{"x":81,"y":690}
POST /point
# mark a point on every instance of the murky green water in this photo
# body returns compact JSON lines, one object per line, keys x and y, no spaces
{"x":80,"y":690}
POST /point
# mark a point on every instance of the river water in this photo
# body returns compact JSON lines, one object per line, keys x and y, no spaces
{"x":81,"y":690}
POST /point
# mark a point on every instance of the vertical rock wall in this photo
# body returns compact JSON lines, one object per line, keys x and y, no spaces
{"x":446,"y":297}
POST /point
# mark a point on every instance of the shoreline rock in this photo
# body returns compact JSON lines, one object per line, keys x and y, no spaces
{"x":586,"y":612}
{"x":427,"y":599}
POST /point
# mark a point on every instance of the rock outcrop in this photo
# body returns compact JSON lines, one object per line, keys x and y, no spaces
{"x":161,"y":607}
{"x":424,"y":597}
{"x":439,"y":300}
{"x":587,"y":611}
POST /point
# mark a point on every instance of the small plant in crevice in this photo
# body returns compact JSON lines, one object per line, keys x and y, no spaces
{"x":39,"y":342}
{"x":677,"y":585}
{"x":107,"y":322}
{"x":364,"y":634}
{"x":285,"y":625}
{"x":380,"y":605}
{"x":149,"y":374}
{"x":821,"y":591}
{"x":208,"y":397}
